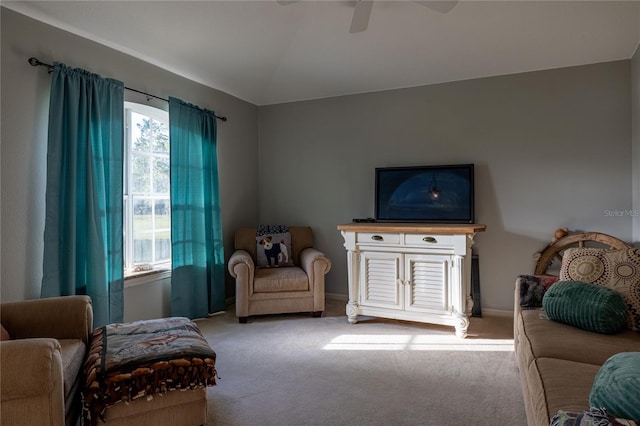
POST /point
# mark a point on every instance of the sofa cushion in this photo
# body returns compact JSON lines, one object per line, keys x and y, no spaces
{"x":557,"y":384}
{"x":586,"y":306}
{"x":270,"y":280}
{"x":72,"y":352}
{"x":616,"y":269}
{"x":616,"y":387}
{"x":540,"y":337}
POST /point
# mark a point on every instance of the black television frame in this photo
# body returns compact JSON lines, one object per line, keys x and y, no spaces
{"x":464,"y":213}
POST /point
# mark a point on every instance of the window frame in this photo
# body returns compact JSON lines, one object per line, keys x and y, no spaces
{"x":128,"y":195}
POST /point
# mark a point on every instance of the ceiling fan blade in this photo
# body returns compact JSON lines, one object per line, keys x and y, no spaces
{"x":439,"y":6}
{"x":361,"y":14}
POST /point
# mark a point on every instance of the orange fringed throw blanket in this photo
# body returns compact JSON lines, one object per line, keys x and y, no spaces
{"x":143,"y":358}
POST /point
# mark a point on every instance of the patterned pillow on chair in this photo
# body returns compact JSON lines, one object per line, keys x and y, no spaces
{"x":273,"y":246}
{"x":617,"y":269}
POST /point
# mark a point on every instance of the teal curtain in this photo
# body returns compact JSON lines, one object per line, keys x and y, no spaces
{"x":83,"y":218}
{"x":197,"y":256}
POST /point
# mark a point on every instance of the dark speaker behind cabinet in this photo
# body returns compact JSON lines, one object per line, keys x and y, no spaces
{"x":475,"y":287}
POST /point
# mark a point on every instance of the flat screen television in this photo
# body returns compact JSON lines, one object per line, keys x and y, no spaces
{"x":439,"y":193}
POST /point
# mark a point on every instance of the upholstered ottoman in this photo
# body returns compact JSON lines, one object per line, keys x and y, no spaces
{"x":148,"y":372}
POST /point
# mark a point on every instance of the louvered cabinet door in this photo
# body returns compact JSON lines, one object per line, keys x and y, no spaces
{"x":426,"y":287}
{"x":379,"y":279}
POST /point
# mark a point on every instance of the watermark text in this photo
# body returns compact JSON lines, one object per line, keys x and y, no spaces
{"x":622,"y":213}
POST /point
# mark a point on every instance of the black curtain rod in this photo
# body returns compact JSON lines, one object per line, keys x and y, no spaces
{"x":37,"y":63}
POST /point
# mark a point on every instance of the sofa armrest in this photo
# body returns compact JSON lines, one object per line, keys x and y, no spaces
{"x":316,"y":265}
{"x":32,"y":382}
{"x":517,"y":309}
{"x":66,"y":317}
{"x":516,"y":298}
{"x":241,"y":263}
{"x":242,"y":268}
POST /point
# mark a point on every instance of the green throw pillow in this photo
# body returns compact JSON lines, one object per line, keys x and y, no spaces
{"x":616,"y":387}
{"x":587,"y":306}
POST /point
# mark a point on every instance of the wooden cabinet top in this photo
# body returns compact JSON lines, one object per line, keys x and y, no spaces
{"x":431,"y":228}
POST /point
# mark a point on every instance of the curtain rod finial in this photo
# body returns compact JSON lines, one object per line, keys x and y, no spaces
{"x":34,"y":62}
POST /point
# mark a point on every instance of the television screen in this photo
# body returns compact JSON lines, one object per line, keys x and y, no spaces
{"x":425,"y":194}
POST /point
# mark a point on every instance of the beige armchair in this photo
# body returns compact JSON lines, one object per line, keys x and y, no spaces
{"x":41,"y":364}
{"x":298,"y":288}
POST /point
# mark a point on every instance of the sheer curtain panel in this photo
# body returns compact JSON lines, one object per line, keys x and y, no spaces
{"x":197,"y":277}
{"x":83,"y":224}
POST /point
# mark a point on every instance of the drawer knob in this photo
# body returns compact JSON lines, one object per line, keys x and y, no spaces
{"x":377,"y":238}
{"x":429,"y":240}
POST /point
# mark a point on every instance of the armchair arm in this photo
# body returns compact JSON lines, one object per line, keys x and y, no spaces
{"x":316,"y":265}
{"x":241,"y":263}
{"x":242,"y":268}
{"x":66,"y":317}
{"x":31,"y":383}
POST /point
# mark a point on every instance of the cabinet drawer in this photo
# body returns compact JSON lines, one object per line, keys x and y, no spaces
{"x":429,"y":240}
{"x":377,"y":238}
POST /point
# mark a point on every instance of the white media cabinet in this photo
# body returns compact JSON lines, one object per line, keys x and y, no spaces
{"x":409,"y":271}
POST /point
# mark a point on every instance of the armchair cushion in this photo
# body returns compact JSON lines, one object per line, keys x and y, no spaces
{"x":72,"y":352}
{"x":273,"y":280}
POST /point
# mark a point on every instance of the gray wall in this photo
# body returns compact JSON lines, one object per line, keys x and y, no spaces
{"x":635,"y":118}
{"x":551,"y":149}
{"x":25,"y":94}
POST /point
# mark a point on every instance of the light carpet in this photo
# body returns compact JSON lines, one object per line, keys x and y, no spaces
{"x":297,"y":370}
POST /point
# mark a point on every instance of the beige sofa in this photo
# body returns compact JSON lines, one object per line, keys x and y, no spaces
{"x":41,"y":364}
{"x":299,"y":288}
{"x":558,"y":362}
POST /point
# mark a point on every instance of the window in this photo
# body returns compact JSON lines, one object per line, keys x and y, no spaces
{"x":147,"y":210}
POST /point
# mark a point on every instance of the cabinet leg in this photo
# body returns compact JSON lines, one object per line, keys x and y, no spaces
{"x":352,"y":312}
{"x":462,"y":325}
